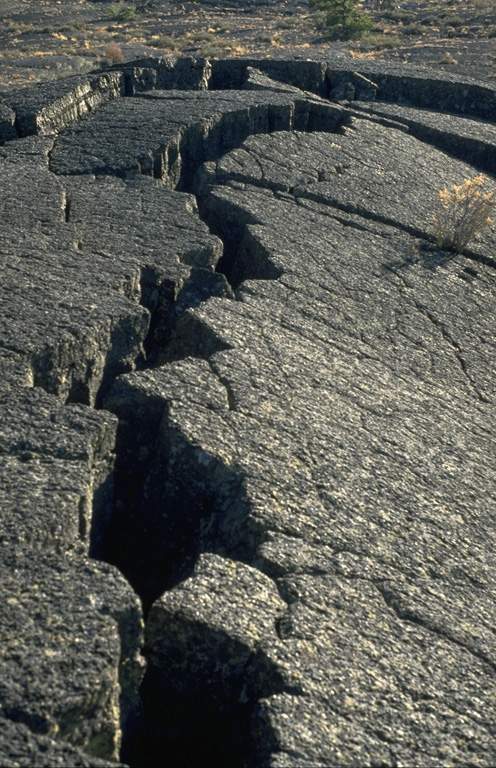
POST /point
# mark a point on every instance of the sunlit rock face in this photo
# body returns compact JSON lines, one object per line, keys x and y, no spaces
{"x":247,"y":466}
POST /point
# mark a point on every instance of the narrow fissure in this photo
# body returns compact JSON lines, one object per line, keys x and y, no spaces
{"x":165,"y":512}
{"x":162,"y":521}
{"x":164,"y":508}
{"x":164,"y":515}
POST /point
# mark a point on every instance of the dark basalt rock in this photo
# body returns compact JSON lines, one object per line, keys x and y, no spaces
{"x":7,"y":124}
{"x":56,"y":483}
{"x":168,"y":134}
{"x":71,"y":632}
{"x":236,"y":366}
{"x":421,"y":87}
{"x":24,"y":748}
{"x":180,"y":73}
{"x":468,"y":139}
{"x":49,"y":107}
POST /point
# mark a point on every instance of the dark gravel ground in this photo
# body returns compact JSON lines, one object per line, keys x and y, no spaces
{"x":45,"y":39}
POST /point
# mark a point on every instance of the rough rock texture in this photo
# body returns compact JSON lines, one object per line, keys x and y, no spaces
{"x":56,"y":483}
{"x":87,"y":257}
{"x":420,"y":87}
{"x":49,"y":107}
{"x":70,"y":665}
{"x":23,"y":748}
{"x":222,"y":648}
{"x":468,"y":139}
{"x":183,"y":73}
{"x":7,"y":124}
{"x":167,"y":134}
{"x":236,"y":366}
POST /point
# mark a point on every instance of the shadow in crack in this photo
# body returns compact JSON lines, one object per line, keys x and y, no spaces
{"x":199,"y":699}
{"x":173,"y":500}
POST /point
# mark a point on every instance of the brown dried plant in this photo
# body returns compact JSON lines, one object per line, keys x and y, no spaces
{"x":113,"y":54}
{"x":464,"y":211}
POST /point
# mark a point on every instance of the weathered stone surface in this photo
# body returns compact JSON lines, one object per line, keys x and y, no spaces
{"x":473,"y":141}
{"x":349,"y":86}
{"x":48,"y":107}
{"x":206,"y":655}
{"x":167,"y":134}
{"x":7,"y":124}
{"x":182,"y":73}
{"x":22,"y":748}
{"x":71,"y":634}
{"x":193,"y":620}
{"x":338,"y":172}
{"x":358,"y":421}
{"x":421,"y":87}
{"x":307,"y":465}
{"x":151,"y":554}
{"x":259,"y":81}
{"x":56,"y":478}
{"x":306,"y":75}
{"x":112,"y":233}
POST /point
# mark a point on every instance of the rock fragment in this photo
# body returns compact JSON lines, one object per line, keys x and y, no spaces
{"x":7,"y":124}
{"x":22,"y":748}
{"x":56,"y":484}
{"x":205,"y":647}
{"x":71,"y":635}
{"x":51,"y":106}
{"x":168,"y":73}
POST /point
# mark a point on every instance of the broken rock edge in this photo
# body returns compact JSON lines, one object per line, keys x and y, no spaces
{"x":81,"y":114}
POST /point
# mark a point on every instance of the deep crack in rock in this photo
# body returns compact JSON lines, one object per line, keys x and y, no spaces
{"x":288,"y":423}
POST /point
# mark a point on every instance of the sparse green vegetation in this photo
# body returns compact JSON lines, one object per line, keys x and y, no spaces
{"x":382,"y":42}
{"x":122,"y":13}
{"x":398,"y":14}
{"x":448,"y":58}
{"x":215,"y":49}
{"x":413,"y":29}
{"x":166,"y":42}
{"x":451,"y":20}
{"x":343,"y":19}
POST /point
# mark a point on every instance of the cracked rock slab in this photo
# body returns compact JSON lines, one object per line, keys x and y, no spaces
{"x":22,"y":748}
{"x":7,"y":124}
{"x":358,"y":423}
{"x":111,"y":232}
{"x":397,"y":184}
{"x":167,"y":134}
{"x":205,"y":644}
{"x":71,"y":635}
{"x":309,"y":466}
{"x":48,"y":107}
{"x":56,"y":479}
{"x":470,"y":140}
{"x":422,"y":87}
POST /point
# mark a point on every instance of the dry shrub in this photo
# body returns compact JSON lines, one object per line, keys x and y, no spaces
{"x":464,"y":211}
{"x":113,"y":54}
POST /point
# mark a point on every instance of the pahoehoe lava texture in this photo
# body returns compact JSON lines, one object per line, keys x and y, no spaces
{"x":247,"y":452}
